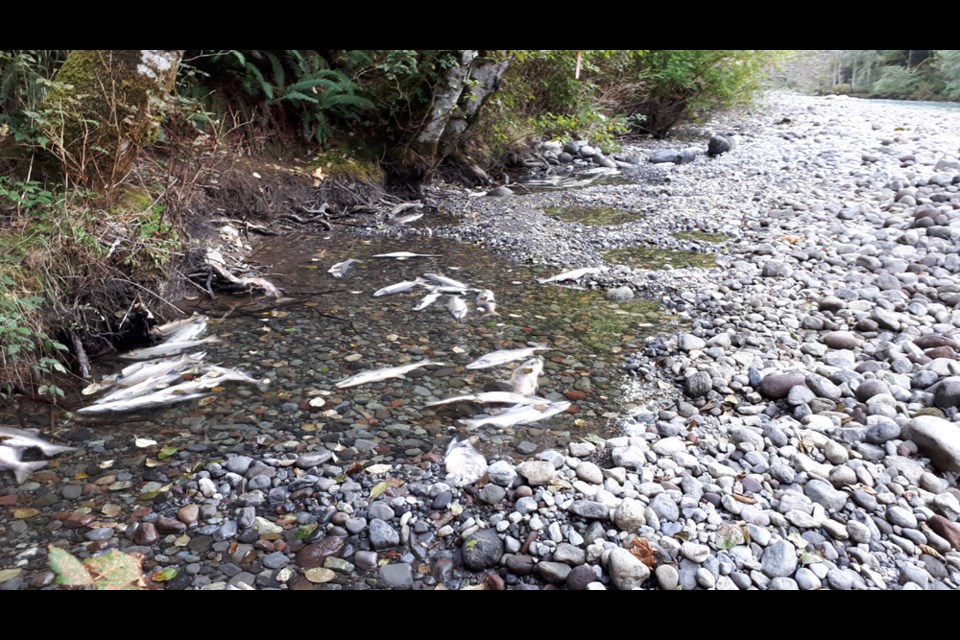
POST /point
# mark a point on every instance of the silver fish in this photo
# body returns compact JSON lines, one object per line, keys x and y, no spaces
{"x":215,"y":376}
{"x":376,"y":375}
{"x":400,"y":287}
{"x":169,"y":328}
{"x":140,"y":371}
{"x":572,"y":275}
{"x":403,"y":255}
{"x":521,"y":414}
{"x":10,"y":459}
{"x":406,"y":219}
{"x":428,"y":300}
{"x":342,"y":268}
{"x":491,"y":397}
{"x":464,"y":464}
{"x":457,"y":308}
{"x":145,"y":387}
{"x":485,"y":296}
{"x":167,"y":349}
{"x":445,"y":281}
{"x":526,"y":377}
{"x":20,"y":439}
{"x":189,"y":331}
{"x":164,"y":397}
{"x":497,"y":358}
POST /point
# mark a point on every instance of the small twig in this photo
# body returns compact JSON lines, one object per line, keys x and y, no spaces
{"x":167,"y":302}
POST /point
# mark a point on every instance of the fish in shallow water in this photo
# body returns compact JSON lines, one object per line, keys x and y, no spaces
{"x":497,"y":358}
{"x":404,"y":255}
{"x":464,"y":464}
{"x":526,"y":377}
{"x":167,"y":349}
{"x":457,"y":308}
{"x":183,"y":392}
{"x":168,"y":329}
{"x":406,"y":218}
{"x":491,"y":397}
{"x":10,"y":459}
{"x":520,"y":414}
{"x":572,"y":275}
{"x":445,"y":281}
{"x":140,"y":371}
{"x":486,"y":300}
{"x":20,"y":439}
{"x":399,"y":287}
{"x":428,"y":300}
{"x":342,"y":268}
{"x":376,"y":375}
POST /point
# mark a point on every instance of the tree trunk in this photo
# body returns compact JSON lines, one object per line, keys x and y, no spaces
{"x":457,"y":100}
{"x":104,"y":106}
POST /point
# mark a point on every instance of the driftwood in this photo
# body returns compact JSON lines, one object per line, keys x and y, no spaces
{"x":218,"y":266}
{"x":83,"y":362}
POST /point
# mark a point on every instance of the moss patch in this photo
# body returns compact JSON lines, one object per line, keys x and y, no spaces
{"x":701,"y":236}
{"x":592,"y":216}
{"x":652,"y":259}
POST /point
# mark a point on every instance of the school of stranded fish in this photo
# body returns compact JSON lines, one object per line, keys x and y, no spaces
{"x":165,"y":375}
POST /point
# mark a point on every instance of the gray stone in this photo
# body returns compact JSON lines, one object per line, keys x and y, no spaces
{"x":841,"y":340}
{"x":689,"y":342}
{"x":553,"y":572}
{"x":697,"y":384}
{"x":902,"y":517}
{"x":778,"y":385}
{"x":947,"y":393}
{"x":806,"y":579}
{"x":938,"y":439}
{"x":631,"y":457}
{"x":313,"y":459}
{"x":502,"y":473}
{"x":779,"y":560}
{"x":719,"y":145}
{"x":667,"y":577}
{"x":380,"y":510}
{"x":665,"y":508}
{"x":538,"y":472}
{"x":500,"y":192}
{"x":666,"y":155}
{"x":625,"y":569}
{"x":492,"y":493}
{"x":589,"y":509}
{"x":275,"y":560}
{"x":629,"y":515}
{"x":569,"y":554}
{"x":238,"y":464}
{"x":695,"y":552}
{"x":871,"y":388}
{"x":620,"y":294}
{"x":580,"y":577}
{"x":822,"y":493}
{"x":774,"y":269}
{"x":881,"y":432}
{"x":526,"y":504}
{"x":398,"y":575}
{"x":823,"y":387}
{"x":482,"y":550}
{"x":589,"y":472}
{"x":382,"y":535}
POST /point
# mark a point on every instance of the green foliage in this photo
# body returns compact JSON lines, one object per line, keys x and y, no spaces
{"x":896,"y":82}
{"x":671,"y":86}
{"x":948,"y":64}
{"x":276,"y":90}
{"x":112,"y":570}
{"x":25,"y":78}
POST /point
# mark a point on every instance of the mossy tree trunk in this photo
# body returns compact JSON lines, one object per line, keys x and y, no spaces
{"x":104,"y":106}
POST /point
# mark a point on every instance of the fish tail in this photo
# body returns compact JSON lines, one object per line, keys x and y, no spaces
{"x":53,"y":449}
{"x":24,"y":470}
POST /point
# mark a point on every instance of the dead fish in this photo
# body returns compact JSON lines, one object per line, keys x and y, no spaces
{"x":376,"y":375}
{"x":485,"y":296}
{"x":497,"y":358}
{"x":521,"y":414}
{"x":572,"y":275}
{"x":457,"y":308}
{"x":404,"y":255}
{"x":428,"y":300}
{"x":400,"y":287}
{"x":169,"y":328}
{"x":342,"y":268}
{"x":189,"y":331}
{"x":491,"y":397}
{"x":464,"y":464}
{"x":142,"y":388}
{"x":526,"y":377}
{"x":405,"y":206}
{"x":162,"y":398}
{"x":167,"y":349}
{"x":139,"y":371}
{"x":445,"y":281}
{"x":10,"y":459}
{"x":215,"y":376}
{"x":406,"y":219}
{"x":20,"y":439}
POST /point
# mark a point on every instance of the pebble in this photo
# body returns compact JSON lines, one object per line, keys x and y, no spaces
{"x":625,"y":569}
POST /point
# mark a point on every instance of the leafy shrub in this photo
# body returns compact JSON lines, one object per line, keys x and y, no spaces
{"x":896,"y":82}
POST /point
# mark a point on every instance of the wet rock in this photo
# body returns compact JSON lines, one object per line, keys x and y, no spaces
{"x":382,"y":535}
{"x":398,"y":575}
{"x":520,"y":564}
{"x":146,"y":534}
{"x":314,"y":555}
{"x":553,"y":572}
